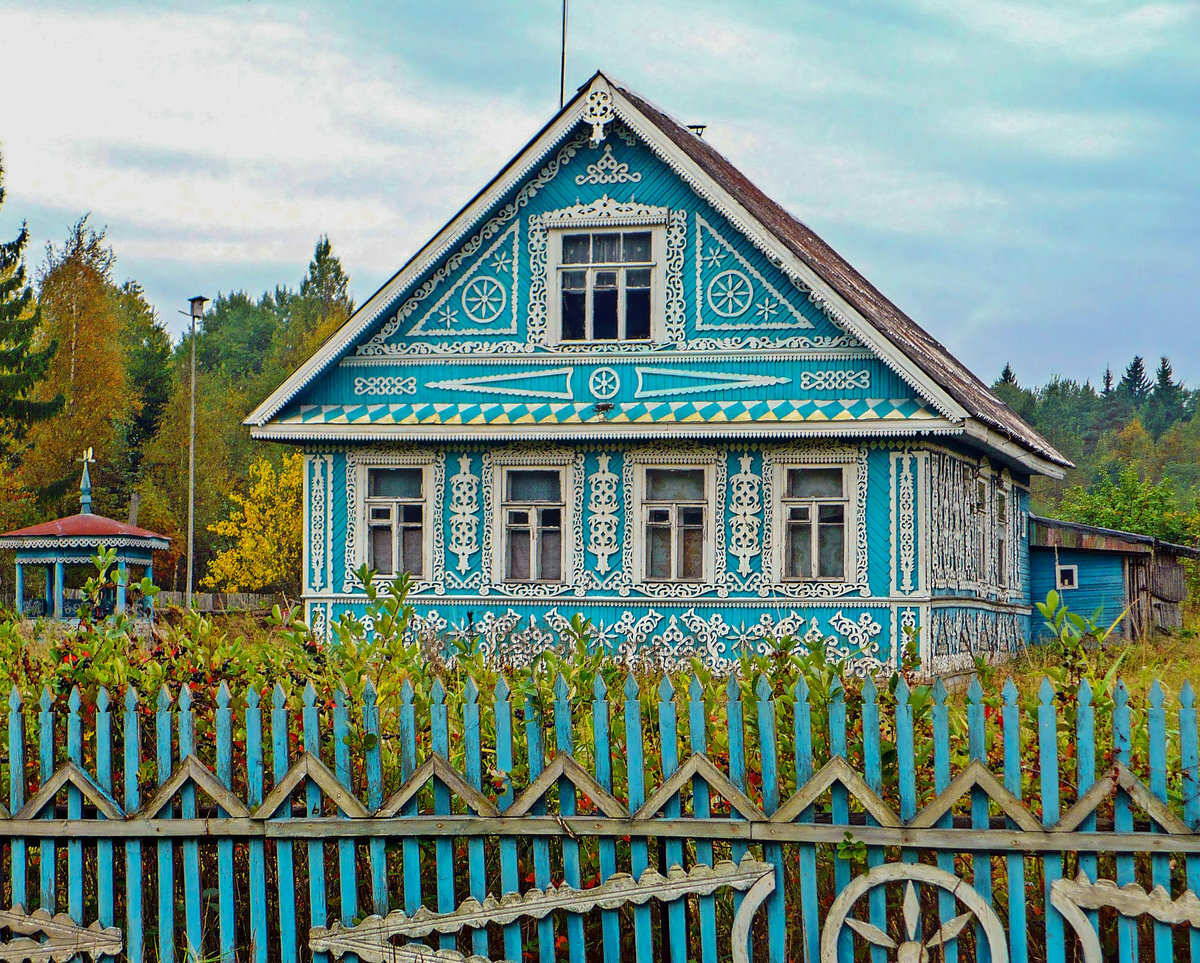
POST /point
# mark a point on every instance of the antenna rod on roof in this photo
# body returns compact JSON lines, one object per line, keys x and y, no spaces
{"x":562,"y":64}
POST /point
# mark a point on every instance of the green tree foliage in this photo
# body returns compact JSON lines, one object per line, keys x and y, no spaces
{"x":1133,"y":504}
{"x":23,"y":360}
{"x":1135,"y":386}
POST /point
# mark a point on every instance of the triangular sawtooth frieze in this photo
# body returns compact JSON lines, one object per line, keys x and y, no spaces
{"x":192,"y":771}
{"x":977,"y":776}
{"x":71,"y":774}
{"x":309,"y":768}
{"x":563,"y":766}
{"x":837,"y":772}
{"x":699,"y":766}
{"x":1119,"y":777}
{"x":436,"y":767}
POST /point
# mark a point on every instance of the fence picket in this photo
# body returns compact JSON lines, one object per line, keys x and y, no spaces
{"x":810,"y":909}
{"x":638,"y":848}
{"x":347,"y":875}
{"x":1052,"y":863}
{"x":477,"y":866}
{"x":47,"y":857}
{"x":74,"y":810}
{"x":284,"y":849}
{"x":1189,"y":761}
{"x":191,"y":851}
{"x":1127,"y":934}
{"x":981,"y":863}
{"x":668,"y":732}
{"x":772,"y":852}
{"x":132,"y":759}
{"x":735,"y":712}
{"x":510,"y":867}
{"x":840,"y":803}
{"x":873,"y":771}
{"x":602,"y":738}
{"x":311,"y":727}
{"x":257,"y":893}
{"x":564,"y":740}
{"x":702,"y":809}
{"x":226,"y":919}
{"x":16,"y":792}
{"x":411,"y":848}
{"x":1085,"y":775}
{"x":1018,"y":949}
{"x":105,"y":910}
{"x":439,"y":730}
{"x":941,"y":779}
{"x":166,"y":855}
{"x":541,"y":847}
{"x":374,"y":768}
{"x":1164,"y":951}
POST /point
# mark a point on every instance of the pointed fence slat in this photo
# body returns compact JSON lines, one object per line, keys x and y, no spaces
{"x":541,"y":846}
{"x":74,"y":809}
{"x":1164,"y":950}
{"x":772,"y":852}
{"x":1127,"y":930}
{"x":284,"y":849}
{"x":477,"y":865}
{"x":166,"y":854}
{"x":803,"y":747}
{"x":1189,"y":761}
{"x":840,"y":802}
{"x":105,"y":897}
{"x":16,"y":793}
{"x":47,"y":857}
{"x":873,"y":772}
{"x":439,"y":724}
{"x":1014,"y":862}
{"x":1085,"y":768}
{"x":510,"y":879}
{"x":411,"y":848}
{"x":347,"y":873}
{"x":941,"y":781}
{"x":602,"y":740}
{"x":191,"y":852}
{"x":257,"y":863}
{"x":668,"y":733}
{"x":1052,"y":863}
{"x":702,"y":809}
{"x":639,"y":854}
{"x":317,"y":903}
{"x":132,"y":758}
{"x":564,"y":740}
{"x":226,"y":918}
{"x":735,"y":718}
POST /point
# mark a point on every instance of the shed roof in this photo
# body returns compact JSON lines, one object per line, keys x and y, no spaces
{"x":80,"y":529}
{"x":1055,"y":533}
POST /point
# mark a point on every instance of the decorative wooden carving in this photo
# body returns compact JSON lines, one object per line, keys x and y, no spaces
{"x":373,"y":940}
{"x":64,"y":938}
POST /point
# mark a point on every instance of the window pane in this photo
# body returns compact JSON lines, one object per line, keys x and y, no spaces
{"x":533,"y":486}
{"x":381,"y":550}
{"x":637,"y":278}
{"x":692,"y":517}
{"x":576,"y":248}
{"x":637,"y":313}
{"x":660,"y":516}
{"x":798,"y":551}
{"x":395,"y":482}
{"x":675,"y":484}
{"x":798,"y":513}
{"x":814,"y":483}
{"x":551,"y":518}
{"x":381,"y":513}
{"x":551,"y":551}
{"x":517,"y":567}
{"x":658,"y":551}
{"x":410,"y":547}
{"x":574,"y":315}
{"x":831,"y":513}
{"x":606,"y":248}
{"x":637,"y":247}
{"x":691,"y":562}
{"x":604,"y":311}
{"x":831,"y":546}
{"x":518,"y":518}
{"x":411,"y":514}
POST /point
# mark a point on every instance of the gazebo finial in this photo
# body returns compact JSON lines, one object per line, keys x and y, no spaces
{"x":85,"y":484}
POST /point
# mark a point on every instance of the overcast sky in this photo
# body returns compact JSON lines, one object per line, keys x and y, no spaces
{"x":1022,"y":178}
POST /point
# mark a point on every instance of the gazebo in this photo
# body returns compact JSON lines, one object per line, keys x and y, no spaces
{"x":75,"y":541}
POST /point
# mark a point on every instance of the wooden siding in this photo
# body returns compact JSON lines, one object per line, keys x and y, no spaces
{"x":1101,"y":582}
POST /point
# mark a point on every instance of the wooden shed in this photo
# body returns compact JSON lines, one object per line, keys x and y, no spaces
{"x":1108,"y":570}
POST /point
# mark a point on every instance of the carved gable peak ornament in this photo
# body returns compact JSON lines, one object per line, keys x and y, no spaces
{"x":608,"y":170}
{"x":599,"y":110}
{"x":607,"y":212}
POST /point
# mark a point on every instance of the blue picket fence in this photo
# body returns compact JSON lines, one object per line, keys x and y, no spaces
{"x":645,"y":823}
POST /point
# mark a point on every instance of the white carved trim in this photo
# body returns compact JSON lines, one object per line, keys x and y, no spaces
{"x":745,"y":511}
{"x":608,"y":170}
{"x":385,"y":385}
{"x":603,"y":523}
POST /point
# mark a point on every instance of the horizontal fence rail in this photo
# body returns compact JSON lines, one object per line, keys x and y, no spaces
{"x":657,"y":819}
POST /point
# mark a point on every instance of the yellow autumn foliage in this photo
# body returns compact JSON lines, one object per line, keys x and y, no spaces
{"x":266,"y":526}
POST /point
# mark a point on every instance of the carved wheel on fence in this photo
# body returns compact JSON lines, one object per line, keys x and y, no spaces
{"x":912,"y":947}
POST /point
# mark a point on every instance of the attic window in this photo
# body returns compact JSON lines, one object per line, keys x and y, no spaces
{"x":606,"y":283}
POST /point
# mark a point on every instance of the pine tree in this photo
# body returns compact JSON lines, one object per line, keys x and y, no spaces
{"x":1135,"y":385}
{"x":1166,"y":404}
{"x":23,"y":361}
{"x":1108,"y":382}
{"x":1008,"y":376}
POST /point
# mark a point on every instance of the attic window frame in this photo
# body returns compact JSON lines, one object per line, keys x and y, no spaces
{"x":585,"y":220}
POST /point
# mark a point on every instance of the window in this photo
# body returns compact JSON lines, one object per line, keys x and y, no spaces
{"x":675,"y":507}
{"x":1001,"y":562}
{"x":814,"y":515}
{"x":396,"y":521}
{"x":533,"y":525}
{"x":1067,"y":576}
{"x":605,"y":284}
{"x":1001,"y":507}
{"x":980,"y":496}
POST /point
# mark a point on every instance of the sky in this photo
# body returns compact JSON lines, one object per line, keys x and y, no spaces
{"x":1022,"y":178}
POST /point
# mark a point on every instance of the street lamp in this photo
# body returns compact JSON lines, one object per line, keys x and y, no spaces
{"x":197,"y":310}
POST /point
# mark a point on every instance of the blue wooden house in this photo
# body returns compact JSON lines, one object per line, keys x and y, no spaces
{"x":623,"y":382}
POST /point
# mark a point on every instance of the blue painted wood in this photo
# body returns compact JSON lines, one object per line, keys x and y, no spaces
{"x":564,"y":739}
{"x":105,"y":901}
{"x":1189,"y":762}
{"x":638,"y":851}
{"x":702,"y":809}
{"x":257,"y":877}
{"x":166,"y":856}
{"x":411,"y":848}
{"x":1018,"y":948}
{"x":1085,"y":762}
{"x":941,"y":779}
{"x":374,"y":767}
{"x":981,"y":863}
{"x":477,"y":867}
{"x":1127,"y":934}
{"x":16,"y":792}
{"x":803,"y":746}
{"x":510,"y":878}
{"x":131,"y":758}
{"x":840,"y":803}
{"x":602,"y":739}
{"x":317,"y":905}
{"x":1160,"y":864}
{"x":347,"y":876}
{"x":668,"y":733}
{"x":74,"y":809}
{"x":226,"y":913}
{"x":873,"y":773}
{"x":48,"y":856}
{"x":736,"y":726}
{"x":191,"y":851}
{"x":534,"y":743}
{"x":772,"y":852}
{"x":1052,"y":863}
{"x":284,"y":849}
{"x":443,"y":847}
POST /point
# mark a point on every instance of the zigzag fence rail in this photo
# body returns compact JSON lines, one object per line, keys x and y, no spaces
{"x":690,"y":824}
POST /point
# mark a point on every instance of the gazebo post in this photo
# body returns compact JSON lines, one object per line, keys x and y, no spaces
{"x":20,"y":593}
{"x":122,"y":577}
{"x":150,"y":576}
{"x":48,"y":594}
{"x":58,"y":589}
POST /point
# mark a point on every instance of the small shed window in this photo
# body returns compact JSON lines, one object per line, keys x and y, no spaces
{"x":606,"y":281}
{"x":1067,"y":577}
{"x":396,"y":521}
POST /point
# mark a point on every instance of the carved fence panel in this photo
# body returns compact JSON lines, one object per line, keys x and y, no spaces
{"x":712,"y":822}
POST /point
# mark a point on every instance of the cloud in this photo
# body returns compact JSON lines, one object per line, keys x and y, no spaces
{"x":1070,"y":135}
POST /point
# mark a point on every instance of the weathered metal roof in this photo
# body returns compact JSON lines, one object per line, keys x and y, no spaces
{"x":81,"y":528}
{"x":1055,"y":533}
{"x":909,"y":337}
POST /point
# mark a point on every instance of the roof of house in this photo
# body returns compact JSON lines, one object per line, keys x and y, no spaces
{"x":997,"y":424}
{"x":1055,"y":533}
{"x":81,"y":528}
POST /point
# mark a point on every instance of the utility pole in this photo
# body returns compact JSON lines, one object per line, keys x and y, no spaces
{"x":197,"y":309}
{"x":562,"y":63}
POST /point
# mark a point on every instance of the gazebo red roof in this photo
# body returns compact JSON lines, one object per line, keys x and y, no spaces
{"x":84,"y":525}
